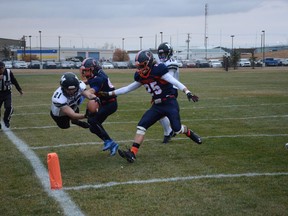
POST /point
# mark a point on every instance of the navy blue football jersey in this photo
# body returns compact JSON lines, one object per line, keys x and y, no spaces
{"x":101,"y":82}
{"x":157,"y":87}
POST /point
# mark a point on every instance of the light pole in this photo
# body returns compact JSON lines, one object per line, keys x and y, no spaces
{"x":59,"y":37}
{"x":206,"y":38}
{"x":232,"y":36}
{"x":123,"y":43}
{"x":30,"y":49}
{"x":40,"y":49}
{"x":188,"y":40}
{"x":161,"y":33}
{"x":141,"y":42}
{"x":263,"y":51}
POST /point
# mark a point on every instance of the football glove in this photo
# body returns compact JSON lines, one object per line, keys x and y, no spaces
{"x":97,"y":99}
{"x":190,"y":97}
{"x":103,"y":94}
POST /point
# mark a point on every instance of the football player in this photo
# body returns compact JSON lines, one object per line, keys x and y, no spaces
{"x":66,"y":100}
{"x":159,"y":83}
{"x":98,"y":80}
{"x":165,"y":54}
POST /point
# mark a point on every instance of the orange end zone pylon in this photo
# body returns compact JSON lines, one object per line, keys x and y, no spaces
{"x":54,"y":171}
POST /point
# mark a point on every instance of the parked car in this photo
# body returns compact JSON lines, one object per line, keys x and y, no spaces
{"x":49,"y":65}
{"x":34,"y":64}
{"x":270,"y":62}
{"x":131,"y":64}
{"x":120,"y":65}
{"x":65,"y":65}
{"x":107,"y":65}
{"x":77,"y":64}
{"x":180,"y":64}
{"x":285,"y":62}
{"x":202,"y":63}
{"x":190,"y":64}
{"x":244,"y":63}
{"x":20,"y":64}
{"x":215,"y":63}
{"x":280,"y":61}
{"x":8,"y":64}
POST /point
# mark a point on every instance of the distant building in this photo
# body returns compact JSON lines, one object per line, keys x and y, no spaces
{"x":200,"y":53}
{"x":17,"y":49}
{"x":6,"y":46}
{"x":65,"y":53}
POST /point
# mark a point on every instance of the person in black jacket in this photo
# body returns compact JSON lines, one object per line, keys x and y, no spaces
{"x":7,"y":79}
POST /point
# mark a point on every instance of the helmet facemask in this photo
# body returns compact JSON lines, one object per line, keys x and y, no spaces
{"x":143,"y":69}
{"x":163,"y":57}
{"x":90,"y":68}
{"x":165,"y":51}
{"x":144,"y":62}
{"x":69,"y":84}
{"x":87,"y":72}
{"x":70,"y":91}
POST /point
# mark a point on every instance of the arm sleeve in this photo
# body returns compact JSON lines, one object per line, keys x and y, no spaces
{"x":131,"y":87}
{"x":167,"y":77}
{"x":15,"y":83}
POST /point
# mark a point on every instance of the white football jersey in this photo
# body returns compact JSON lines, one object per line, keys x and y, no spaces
{"x":173,"y":68}
{"x":59,"y":100}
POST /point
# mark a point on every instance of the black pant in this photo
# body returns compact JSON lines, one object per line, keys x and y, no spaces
{"x":95,"y":120}
{"x":62,"y":122}
{"x":6,"y":98}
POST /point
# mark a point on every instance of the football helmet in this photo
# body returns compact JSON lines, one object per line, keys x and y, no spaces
{"x":69,"y":83}
{"x":165,"y":51}
{"x":144,"y":62}
{"x":89,"y":68}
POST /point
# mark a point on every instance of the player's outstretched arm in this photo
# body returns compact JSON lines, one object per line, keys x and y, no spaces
{"x":167,"y":77}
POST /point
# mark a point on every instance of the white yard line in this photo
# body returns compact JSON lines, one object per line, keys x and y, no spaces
{"x":156,"y":140}
{"x":60,"y":196}
{"x":174,"y":179}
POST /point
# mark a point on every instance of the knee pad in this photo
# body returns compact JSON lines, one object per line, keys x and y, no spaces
{"x":141,"y":130}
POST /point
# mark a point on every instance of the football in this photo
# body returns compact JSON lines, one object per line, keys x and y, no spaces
{"x":92,"y":106}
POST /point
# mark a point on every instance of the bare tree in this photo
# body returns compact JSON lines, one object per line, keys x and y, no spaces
{"x":120,"y":55}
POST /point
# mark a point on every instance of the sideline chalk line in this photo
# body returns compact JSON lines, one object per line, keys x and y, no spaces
{"x":68,"y":206}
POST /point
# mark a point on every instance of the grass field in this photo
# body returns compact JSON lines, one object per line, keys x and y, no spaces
{"x":240,"y":169}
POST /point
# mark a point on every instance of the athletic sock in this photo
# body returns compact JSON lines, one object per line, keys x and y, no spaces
{"x":135,"y":148}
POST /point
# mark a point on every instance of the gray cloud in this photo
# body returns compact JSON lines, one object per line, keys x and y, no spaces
{"x":93,"y":23}
{"x":111,"y":9}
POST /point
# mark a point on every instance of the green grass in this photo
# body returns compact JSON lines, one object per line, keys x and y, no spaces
{"x":241,"y":115}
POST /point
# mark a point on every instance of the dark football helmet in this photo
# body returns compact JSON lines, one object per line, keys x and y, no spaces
{"x":89,"y":68}
{"x":165,"y":51}
{"x":144,"y":62}
{"x":69,"y":83}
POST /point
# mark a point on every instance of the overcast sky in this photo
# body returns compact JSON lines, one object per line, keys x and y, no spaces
{"x":94,"y":23}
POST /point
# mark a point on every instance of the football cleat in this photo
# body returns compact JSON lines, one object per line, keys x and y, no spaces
{"x":113,"y":149}
{"x":7,"y":124}
{"x":193,"y":136}
{"x":128,"y":155}
{"x":108,"y":144}
{"x":168,"y":138}
{"x":111,"y":145}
